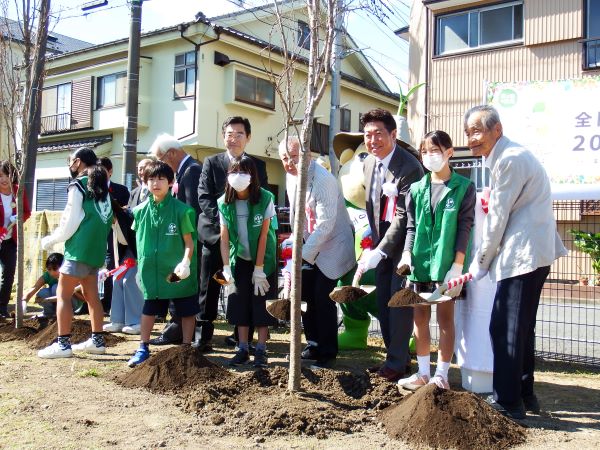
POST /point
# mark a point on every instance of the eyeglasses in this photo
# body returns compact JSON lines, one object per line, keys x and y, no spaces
{"x":235,"y":135}
{"x":164,"y":155}
{"x":71,"y":162}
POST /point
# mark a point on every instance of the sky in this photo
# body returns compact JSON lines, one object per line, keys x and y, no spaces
{"x":387,"y":53}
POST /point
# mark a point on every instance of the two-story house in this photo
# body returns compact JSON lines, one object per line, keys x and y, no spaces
{"x":192,"y":77}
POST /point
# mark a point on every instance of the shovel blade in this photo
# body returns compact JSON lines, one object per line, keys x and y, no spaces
{"x":350,"y":294}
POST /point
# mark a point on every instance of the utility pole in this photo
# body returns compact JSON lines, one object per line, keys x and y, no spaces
{"x":336,"y":73}
{"x":131,"y":107}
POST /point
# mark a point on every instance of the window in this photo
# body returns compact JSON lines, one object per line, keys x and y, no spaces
{"x":254,"y":90}
{"x":56,"y":108}
{"x":477,"y":28}
{"x":51,"y":194}
{"x":319,"y":140}
{"x":303,"y":35}
{"x":591,"y":45}
{"x":360,"y":125}
{"x":345,"y":119}
{"x":185,"y":75}
{"x":111,"y":90}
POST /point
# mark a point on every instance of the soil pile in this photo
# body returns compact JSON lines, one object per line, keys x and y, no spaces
{"x":80,"y":331}
{"x":30,"y":327}
{"x":347,"y":294}
{"x":448,"y":419}
{"x":404,"y":297}
{"x":280,"y":309}
{"x":173,"y":369}
{"x":258,"y":403}
{"x":403,"y":270}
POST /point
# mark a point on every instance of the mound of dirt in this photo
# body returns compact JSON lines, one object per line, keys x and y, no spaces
{"x":448,"y":419}
{"x":80,"y":331}
{"x":173,"y":369}
{"x":347,"y":294}
{"x":403,"y":270}
{"x":280,"y":309}
{"x":404,"y":297}
{"x":30,"y":327}
{"x":259,"y":404}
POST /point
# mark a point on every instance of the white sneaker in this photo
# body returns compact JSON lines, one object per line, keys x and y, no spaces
{"x":132,"y":329}
{"x":414,"y":382}
{"x":89,"y":347}
{"x":113,"y":327}
{"x":54,"y":351}
{"x":439,"y":381}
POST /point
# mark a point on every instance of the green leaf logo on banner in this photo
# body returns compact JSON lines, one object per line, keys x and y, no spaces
{"x":507,"y":98}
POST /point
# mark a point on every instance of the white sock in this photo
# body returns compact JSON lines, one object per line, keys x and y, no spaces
{"x":424,"y":362}
{"x":442,"y":369}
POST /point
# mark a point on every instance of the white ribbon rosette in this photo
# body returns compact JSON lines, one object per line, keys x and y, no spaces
{"x":390,"y":190}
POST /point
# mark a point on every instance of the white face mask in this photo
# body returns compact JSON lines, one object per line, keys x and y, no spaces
{"x":239,"y":181}
{"x":433,"y":163}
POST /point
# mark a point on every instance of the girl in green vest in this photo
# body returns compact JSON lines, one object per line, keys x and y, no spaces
{"x":248,"y":245}
{"x":440,"y":214}
{"x":84,"y":227}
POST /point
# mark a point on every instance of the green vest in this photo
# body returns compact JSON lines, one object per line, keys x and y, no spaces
{"x":159,"y":230}
{"x":88,"y":243}
{"x":255,"y":221}
{"x":433,"y":250}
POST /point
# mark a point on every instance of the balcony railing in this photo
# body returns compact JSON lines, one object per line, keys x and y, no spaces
{"x":56,"y":123}
{"x":591,"y":53}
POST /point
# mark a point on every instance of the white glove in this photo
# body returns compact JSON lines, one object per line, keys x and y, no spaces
{"x":454,"y":272}
{"x":406,"y":259}
{"x":47,"y":242}
{"x":182,"y":270}
{"x":370,"y":260}
{"x":259,"y":279}
{"x":103,"y":275}
{"x":13,"y":218}
{"x":227,"y":274}
{"x":476,"y":270}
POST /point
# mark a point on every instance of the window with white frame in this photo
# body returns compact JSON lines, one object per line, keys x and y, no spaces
{"x":479,"y":28}
{"x":254,"y":90}
{"x":592,"y":41}
{"x":303,"y":35}
{"x":111,"y":90}
{"x":56,"y":108}
{"x":185,"y":74}
{"x":345,"y":119}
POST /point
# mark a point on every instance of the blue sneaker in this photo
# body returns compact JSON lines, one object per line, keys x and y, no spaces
{"x":140,"y":355}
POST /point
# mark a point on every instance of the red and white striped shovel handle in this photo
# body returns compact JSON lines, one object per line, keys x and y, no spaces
{"x":459,"y":280}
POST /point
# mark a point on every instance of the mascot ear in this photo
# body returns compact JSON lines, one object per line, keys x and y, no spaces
{"x":346,"y":156}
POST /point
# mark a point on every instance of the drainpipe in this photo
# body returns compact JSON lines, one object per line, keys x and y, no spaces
{"x":426,"y":112}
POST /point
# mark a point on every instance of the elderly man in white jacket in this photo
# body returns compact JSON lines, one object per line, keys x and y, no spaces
{"x":520,"y":242}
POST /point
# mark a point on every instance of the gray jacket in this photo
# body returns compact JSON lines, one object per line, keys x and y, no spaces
{"x":519,"y":232}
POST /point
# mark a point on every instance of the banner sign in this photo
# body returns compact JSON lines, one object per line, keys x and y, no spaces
{"x":559,"y":121}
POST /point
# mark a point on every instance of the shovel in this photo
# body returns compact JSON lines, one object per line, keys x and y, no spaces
{"x":407,"y":297}
{"x":281,"y":308}
{"x":350,"y":294}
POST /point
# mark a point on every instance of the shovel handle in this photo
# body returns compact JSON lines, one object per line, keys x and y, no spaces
{"x":357,"y":275}
{"x":459,"y":280}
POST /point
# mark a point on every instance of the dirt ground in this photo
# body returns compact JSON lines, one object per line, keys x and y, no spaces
{"x":80,"y":403}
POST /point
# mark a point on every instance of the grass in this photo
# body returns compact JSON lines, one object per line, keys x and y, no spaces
{"x":88,"y":373}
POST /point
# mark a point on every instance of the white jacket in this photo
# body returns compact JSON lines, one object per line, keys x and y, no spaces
{"x":519,"y":232}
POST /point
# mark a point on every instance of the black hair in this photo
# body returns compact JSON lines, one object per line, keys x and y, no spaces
{"x":86,"y":155}
{"x":438,"y":138}
{"x":97,"y":183}
{"x":9,"y":170}
{"x":54,"y":260}
{"x":237,"y":120}
{"x":157,"y":169}
{"x":379,"y":115}
{"x":243,"y":164}
{"x":105,"y":162}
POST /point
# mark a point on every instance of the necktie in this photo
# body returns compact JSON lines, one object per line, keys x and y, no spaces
{"x":379,"y":174}
{"x":143,"y":194}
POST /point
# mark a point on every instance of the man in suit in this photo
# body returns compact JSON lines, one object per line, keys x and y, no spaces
{"x":120,"y":194}
{"x":519,"y":244}
{"x":389,"y":171}
{"x":327,"y":252}
{"x":187,"y":173}
{"x":236,"y":133}
{"x":140,"y":193}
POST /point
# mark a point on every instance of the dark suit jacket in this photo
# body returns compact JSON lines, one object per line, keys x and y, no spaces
{"x":187,"y":179}
{"x":211,"y":187}
{"x":404,"y":169}
{"x":119,"y":192}
{"x":134,"y":197}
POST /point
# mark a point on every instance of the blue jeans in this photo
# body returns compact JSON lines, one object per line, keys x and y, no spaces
{"x":127,"y":300}
{"x":50,"y":307}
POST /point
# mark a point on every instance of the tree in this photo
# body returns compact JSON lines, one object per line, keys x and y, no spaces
{"x":22,"y":58}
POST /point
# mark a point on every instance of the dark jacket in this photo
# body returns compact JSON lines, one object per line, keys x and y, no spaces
{"x":187,"y":179}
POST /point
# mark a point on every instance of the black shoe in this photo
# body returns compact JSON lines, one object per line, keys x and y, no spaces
{"x":203,"y":347}
{"x":310,"y":352}
{"x":328,"y":363}
{"x":4,"y":312}
{"x":162,"y":340}
{"x":511,"y":413}
{"x":251,"y":349}
{"x":230,"y":341}
{"x":260,"y":358}
{"x":531,"y":404}
{"x":240,"y":357}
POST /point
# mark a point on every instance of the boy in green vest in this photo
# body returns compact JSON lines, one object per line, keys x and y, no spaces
{"x":165,"y":235}
{"x":440,"y":214}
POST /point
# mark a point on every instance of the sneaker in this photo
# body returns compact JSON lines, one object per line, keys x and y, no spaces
{"x":260,"y":358}
{"x":55,"y":351}
{"x":517,"y":413}
{"x":89,"y":347}
{"x":140,"y":355}
{"x":439,"y":381}
{"x":113,"y":327}
{"x":328,"y":363}
{"x":132,"y":329}
{"x":310,"y":352}
{"x":414,"y":382}
{"x":240,"y":357}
